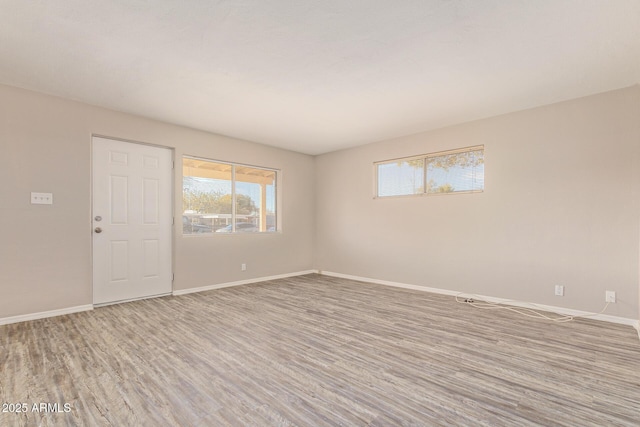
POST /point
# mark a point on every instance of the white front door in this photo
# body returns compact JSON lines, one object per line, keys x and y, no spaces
{"x":131,"y":219}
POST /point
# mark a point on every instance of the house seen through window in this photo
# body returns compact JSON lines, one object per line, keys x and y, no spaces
{"x":221,"y":197}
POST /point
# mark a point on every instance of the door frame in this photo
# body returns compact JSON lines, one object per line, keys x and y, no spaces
{"x":173,"y":216}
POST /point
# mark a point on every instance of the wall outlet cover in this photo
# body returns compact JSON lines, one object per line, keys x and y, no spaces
{"x":610,"y":296}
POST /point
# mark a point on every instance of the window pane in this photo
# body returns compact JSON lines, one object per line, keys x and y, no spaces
{"x":401,"y":177}
{"x":206,"y":196}
{"x":255,"y":199}
{"x":209,"y":189}
{"x":456,"y":172}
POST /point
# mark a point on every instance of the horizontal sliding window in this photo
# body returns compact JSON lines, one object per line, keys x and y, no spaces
{"x":455,"y":171}
{"x":220,"y":197}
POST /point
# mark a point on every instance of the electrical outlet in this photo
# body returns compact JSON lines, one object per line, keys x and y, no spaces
{"x":560,"y":290}
{"x":610,"y":296}
{"x":243,"y":267}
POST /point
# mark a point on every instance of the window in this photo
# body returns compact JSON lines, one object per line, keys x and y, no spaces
{"x":225,"y":197}
{"x":455,"y":171}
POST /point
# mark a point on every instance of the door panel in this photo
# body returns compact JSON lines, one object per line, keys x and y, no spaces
{"x":132,"y":217}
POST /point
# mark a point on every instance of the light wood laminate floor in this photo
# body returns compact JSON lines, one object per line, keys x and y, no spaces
{"x":315,"y":351}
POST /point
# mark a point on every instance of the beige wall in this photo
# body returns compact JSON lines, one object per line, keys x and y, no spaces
{"x":45,"y":251}
{"x":561,"y":206}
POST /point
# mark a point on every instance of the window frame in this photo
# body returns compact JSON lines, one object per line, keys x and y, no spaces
{"x":233,"y":218}
{"x":424,"y":158}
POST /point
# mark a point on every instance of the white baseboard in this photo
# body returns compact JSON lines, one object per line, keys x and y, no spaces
{"x":559,"y":310}
{"x":45,"y":314}
{"x":241,"y":282}
{"x":637,"y":326}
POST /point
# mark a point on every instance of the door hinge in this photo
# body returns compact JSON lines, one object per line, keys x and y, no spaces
{"x":173,"y":220}
{"x":173,"y":277}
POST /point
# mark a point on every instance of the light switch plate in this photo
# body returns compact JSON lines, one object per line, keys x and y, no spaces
{"x":41,"y":198}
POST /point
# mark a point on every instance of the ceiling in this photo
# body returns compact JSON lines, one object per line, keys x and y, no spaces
{"x":319,"y":75}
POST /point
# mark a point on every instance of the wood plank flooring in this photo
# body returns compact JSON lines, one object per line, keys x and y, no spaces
{"x":317,"y":351}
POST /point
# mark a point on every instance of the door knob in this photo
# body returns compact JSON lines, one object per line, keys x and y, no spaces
{"x":98,"y":230}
